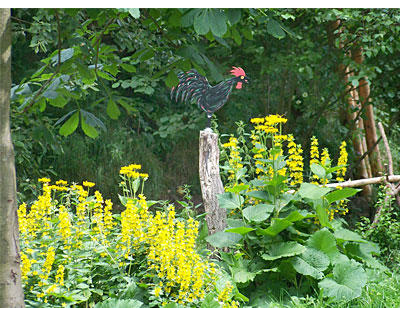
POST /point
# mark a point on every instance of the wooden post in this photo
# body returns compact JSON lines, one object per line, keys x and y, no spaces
{"x":210,"y":180}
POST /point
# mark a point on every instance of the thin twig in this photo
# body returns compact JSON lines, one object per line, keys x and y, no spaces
{"x":59,"y":38}
{"x":98,"y":42}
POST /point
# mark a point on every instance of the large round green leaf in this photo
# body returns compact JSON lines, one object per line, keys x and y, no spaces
{"x":312,"y":262}
{"x":283,"y":249}
{"x":223,"y":239}
{"x":258,"y":213}
{"x":348,"y":280}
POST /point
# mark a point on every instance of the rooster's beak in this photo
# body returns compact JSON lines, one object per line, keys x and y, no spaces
{"x":246,"y":79}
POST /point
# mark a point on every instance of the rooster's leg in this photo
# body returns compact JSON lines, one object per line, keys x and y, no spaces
{"x":209,"y":115}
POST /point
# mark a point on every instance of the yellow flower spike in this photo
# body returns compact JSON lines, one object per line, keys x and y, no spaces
{"x":342,"y":162}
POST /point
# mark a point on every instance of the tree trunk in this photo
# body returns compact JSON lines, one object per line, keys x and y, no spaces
{"x":359,"y":142}
{"x":210,"y":181}
{"x":11,"y":293}
{"x":369,"y":122}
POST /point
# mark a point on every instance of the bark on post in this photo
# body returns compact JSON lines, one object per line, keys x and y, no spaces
{"x":210,"y":181}
{"x":11,"y":294}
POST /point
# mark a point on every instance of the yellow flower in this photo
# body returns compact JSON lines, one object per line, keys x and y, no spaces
{"x":257,"y":120}
{"x":274,"y":119}
{"x":61,"y":182}
{"x":129,"y":170}
{"x":88,"y":184}
{"x":157,"y":291}
{"x":44,"y":180}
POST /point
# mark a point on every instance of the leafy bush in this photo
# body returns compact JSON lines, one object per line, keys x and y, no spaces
{"x":282,"y":231}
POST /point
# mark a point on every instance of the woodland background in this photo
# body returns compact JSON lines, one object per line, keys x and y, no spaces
{"x":91,"y":93}
{"x":295,"y":58}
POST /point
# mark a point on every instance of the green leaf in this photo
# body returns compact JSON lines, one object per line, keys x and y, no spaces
{"x":230,"y":200}
{"x":275,"y":29}
{"x":223,"y":239}
{"x":128,"y":67}
{"x":240,"y":230}
{"x":236,"y":36}
{"x":323,"y":240}
{"x":322,"y":213}
{"x":118,"y":303}
{"x":348,"y":280}
{"x":58,"y":101}
{"x":280,"y":224}
{"x":210,"y":301}
{"x":277,"y":225}
{"x":341,"y":194}
{"x":312,"y":262}
{"x":89,"y":130}
{"x":105,"y":75}
{"x":92,"y":120}
{"x":112,"y":109}
{"x":201,"y":23}
{"x":283,"y":249}
{"x":258,"y":213}
{"x":70,"y":125}
{"x":134,"y":12}
{"x":233,"y":15}
{"x":172,"y":79}
{"x":312,"y":191}
{"x":318,"y":170}
{"x":241,"y":275}
{"x":238,"y":188}
{"x":259,"y":195}
{"x":347,"y":235}
{"x":65,"y":54}
{"x":85,"y":71}
{"x":217,"y":21}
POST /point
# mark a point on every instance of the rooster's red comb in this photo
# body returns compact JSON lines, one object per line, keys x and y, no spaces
{"x":237,"y":71}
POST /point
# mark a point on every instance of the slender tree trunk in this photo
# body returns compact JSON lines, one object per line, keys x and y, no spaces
{"x":359,"y":142}
{"x":369,"y":122}
{"x":358,"y":139}
{"x":11,"y":293}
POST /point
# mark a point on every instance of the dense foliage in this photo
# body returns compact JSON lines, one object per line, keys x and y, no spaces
{"x":91,"y":91}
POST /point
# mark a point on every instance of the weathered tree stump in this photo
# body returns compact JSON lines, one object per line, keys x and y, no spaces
{"x":210,"y":181}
